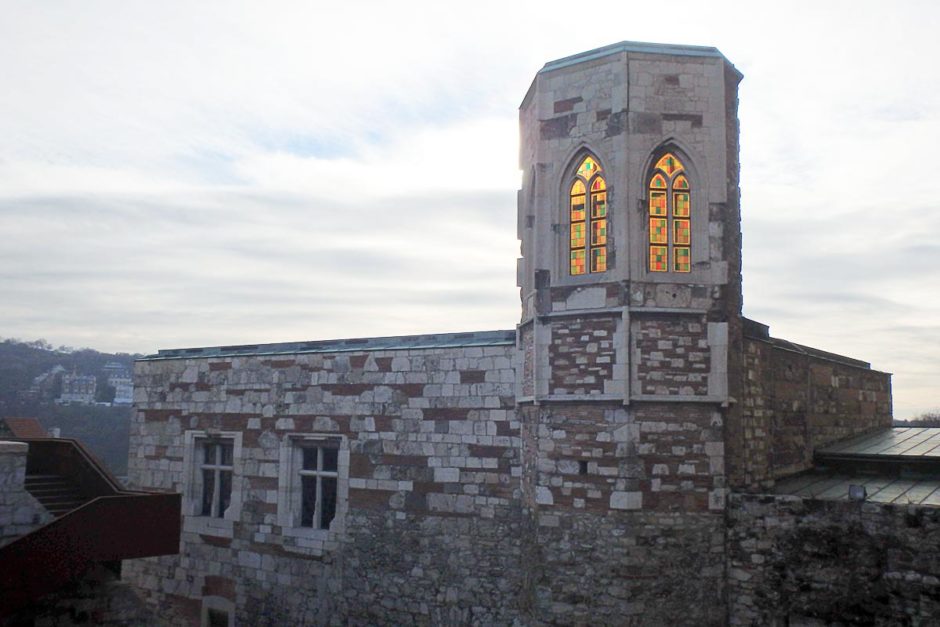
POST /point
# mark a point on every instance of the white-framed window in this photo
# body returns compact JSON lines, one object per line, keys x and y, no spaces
{"x":313,"y":489}
{"x":211,"y":478}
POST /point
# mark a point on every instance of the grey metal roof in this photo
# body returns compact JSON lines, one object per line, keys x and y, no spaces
{"x":879,"y":488}
{"x":633,"y":46}
{"x":398,"y":342}
{"x":903,"y":444}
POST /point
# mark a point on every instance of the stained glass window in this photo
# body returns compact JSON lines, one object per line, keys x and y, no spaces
{"x":588,"y":177}
{"x":670,"y":207}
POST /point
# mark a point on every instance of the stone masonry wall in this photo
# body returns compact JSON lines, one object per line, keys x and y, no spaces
{"x":582,"y":354}
{"x":811,"y":562}
{"x":434,"y":506}
{"x":672,"y":355}
{"x":628,"y":502}
{"x":20,"y":513}
{"x":795,"y":402}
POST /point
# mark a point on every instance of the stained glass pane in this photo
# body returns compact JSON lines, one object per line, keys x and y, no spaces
{"x":577,"y":235}
{"x":659,"y":231}
{"x":658,"y":258}
{"x":577,"y":262}
{"x":577,"y":202}
{"x":683,"y":260}
{"x":598,"y":232}
{"x":658,"y":182}
{"x":680,"y":183}
{"x":657,"y":203}
{"x":669,"y":164}
{"x":599,"y":259}
{"x":682,"y":233}
{"x":599,"y":205}
{"x":598,"y":185}
{"x":588,"y":168}
{"x":680,"y":207}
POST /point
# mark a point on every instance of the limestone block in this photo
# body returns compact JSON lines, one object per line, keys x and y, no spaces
{"x":626,"y":500}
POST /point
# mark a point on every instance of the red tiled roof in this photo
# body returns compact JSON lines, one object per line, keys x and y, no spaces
{"x":25,"y":428}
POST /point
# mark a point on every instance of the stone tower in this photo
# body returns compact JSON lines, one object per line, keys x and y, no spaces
{"x":630,"y":281}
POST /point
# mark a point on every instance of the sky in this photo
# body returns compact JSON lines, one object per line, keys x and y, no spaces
{"x":178,"y":174}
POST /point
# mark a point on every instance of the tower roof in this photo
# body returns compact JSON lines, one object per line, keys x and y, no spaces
{"x":634,"y":46}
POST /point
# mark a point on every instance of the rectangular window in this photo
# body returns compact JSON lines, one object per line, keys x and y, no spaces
{"x":215,"y":465}
{"x":318,"y":474}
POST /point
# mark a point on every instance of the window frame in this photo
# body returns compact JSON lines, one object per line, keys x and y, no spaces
{"x":589,"y":221}
{"x":193,"y":519}
{"x":311,"y":539}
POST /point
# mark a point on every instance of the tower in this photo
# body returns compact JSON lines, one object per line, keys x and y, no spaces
{"x":630,"y":280}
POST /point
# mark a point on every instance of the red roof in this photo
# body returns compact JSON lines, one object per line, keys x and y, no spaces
{"x":25,"y":428}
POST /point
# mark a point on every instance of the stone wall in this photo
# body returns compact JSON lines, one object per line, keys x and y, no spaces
{"x":809,"y":562}
{"x":672,"y":355}
{"x":20,"y":513}
{"x":796,"y":400}
{"x":433,"y":516}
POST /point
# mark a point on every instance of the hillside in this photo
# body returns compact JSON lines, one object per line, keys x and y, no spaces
{"x":30,"y":381}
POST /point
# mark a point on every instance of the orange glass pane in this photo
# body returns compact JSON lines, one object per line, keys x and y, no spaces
{"x":599,"y":205}
{"x":658,"y":258}
{"x":683,"y":260}
{"x":659,"y":231}
{"x":577,"y":262}
{"x":658,"y":182}
{"x":681,"y":231}
{"x":588,"y":168}
{"x":598,"y":232}
{"x":680,"y":204}
{"x":577,"y":235}
{"x":657,"y":203}
{"x":669,"y":164}
{"x":680,"y":183}
{"x":599,"y":259}
{"x":598,"y":185}
{"x":577,"y":201}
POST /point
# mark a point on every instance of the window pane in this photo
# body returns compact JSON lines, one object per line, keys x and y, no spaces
{"x":577,"y":208}
{"x":577,"y":262}
{"x":599,"y":259}
{"x":598,"y":185}
{"x":658,"y":182}
{"x":659,"y":231}
{"x":680,"y":183}
{"x":328,"y":506}
{"x":669,"y":164}
{"x":330,"y":459}
{"x":217,"y":618}
{"x":577,"y":235}
{"x":683,"y":260}
{"x":598,"y":232}
{"x":680,"y":207}
{"x":310,"y":458}
{"x":308,"y":500}
{"x":657,"y":203}
{"x":658,"y":256}
{"x":682,"y":233}
{"x":225,"y":491}
{"x":208,"y":490}
{"x":208,"y":453}
{"x":226,"y":454}
{"x":588,"y":168}
{"x":599,"y":205}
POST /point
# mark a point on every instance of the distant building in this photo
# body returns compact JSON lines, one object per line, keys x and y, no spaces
{"x":123,"y":389}
{"x":78,"y":388}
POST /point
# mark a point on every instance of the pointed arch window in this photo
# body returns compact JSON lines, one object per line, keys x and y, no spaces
{"x":670,"y":234}
{"x":587,"y":206}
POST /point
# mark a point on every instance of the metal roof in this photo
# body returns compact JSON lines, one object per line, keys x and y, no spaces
{"x":398,"y":342}
{"x":633,"y":46}
{"x":904,"y":444}
{"x":879,"y":489}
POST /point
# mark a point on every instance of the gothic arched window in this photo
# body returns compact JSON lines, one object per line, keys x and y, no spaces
{"x":670,"y":214}
{"x":588,"y":233}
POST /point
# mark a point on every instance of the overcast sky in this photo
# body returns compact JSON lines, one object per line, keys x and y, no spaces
{"x":200,"y":173}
